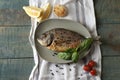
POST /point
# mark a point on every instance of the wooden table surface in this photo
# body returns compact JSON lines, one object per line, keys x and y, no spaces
{"x":16,"y":57}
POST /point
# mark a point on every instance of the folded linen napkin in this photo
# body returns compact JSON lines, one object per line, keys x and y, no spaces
{"x":81,"y":11}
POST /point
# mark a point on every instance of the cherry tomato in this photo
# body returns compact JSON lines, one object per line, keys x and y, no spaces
{"x":91,"y":63}
{"x":87,"y":68}
{"x":93,"y":72}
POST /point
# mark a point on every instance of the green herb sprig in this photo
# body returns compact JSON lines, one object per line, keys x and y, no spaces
{"x":73,"y":53}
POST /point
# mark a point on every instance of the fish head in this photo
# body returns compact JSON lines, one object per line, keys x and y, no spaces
{"x":45,"y":39}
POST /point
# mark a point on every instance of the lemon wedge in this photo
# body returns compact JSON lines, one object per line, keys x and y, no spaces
{"x":33,"y":12}
{"x":46,"y":12}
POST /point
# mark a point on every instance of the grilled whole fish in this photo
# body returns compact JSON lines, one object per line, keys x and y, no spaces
{"x":60,"y":39}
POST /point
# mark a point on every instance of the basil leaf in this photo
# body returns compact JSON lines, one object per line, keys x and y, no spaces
{"x":71,"y":50}
{"x":75,"y":57}
{"x":64,"y":55}
{"x":85,"y":45}
{"x":72,"y":53}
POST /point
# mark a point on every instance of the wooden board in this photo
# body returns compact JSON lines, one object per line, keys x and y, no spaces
{"x":11,"y":12}
{"x":111,"y":68}
{"x":13,"y":4}
{"x":110,"y":37}
{"x":15,"y":69}
{"x":107,"y":11}
{"x":13,"y":17}
{"x":14,"y":42}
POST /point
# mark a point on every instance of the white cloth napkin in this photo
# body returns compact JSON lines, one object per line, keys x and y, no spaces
{"x":81,"y":11}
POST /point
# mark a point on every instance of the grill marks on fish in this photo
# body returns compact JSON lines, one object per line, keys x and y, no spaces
{"x":63,"y":39}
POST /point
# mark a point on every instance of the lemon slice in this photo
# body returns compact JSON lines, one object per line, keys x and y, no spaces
{"x":46,"y":12}
{"x":33,"y":12}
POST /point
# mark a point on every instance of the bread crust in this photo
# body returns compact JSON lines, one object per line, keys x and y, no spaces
{"x":60,"y":10}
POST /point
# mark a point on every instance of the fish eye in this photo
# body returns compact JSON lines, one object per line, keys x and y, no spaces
{"x":44,"y":36}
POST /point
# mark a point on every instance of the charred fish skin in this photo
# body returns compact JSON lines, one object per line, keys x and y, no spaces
{"x":60,"y":39}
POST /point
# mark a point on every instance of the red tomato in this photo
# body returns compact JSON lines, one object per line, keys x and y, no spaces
{"x":91,"y":63}
{"x":93,"y":72}
{"x":87,"y":68}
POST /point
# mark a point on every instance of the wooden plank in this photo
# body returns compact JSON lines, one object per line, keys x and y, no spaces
{"x":14,"y":42}
{"x":13,"y":4}
{"x":107,"y":11}
{"x":11,"y":12}
{"x":15,"y":69}
{"x":111,"y":68}
{"x":110,"y":36}
{"x":110,"y":50}
{"x":13,"y":17}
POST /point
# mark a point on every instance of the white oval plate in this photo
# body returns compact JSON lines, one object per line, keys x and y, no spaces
{"x":49,"y":24}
